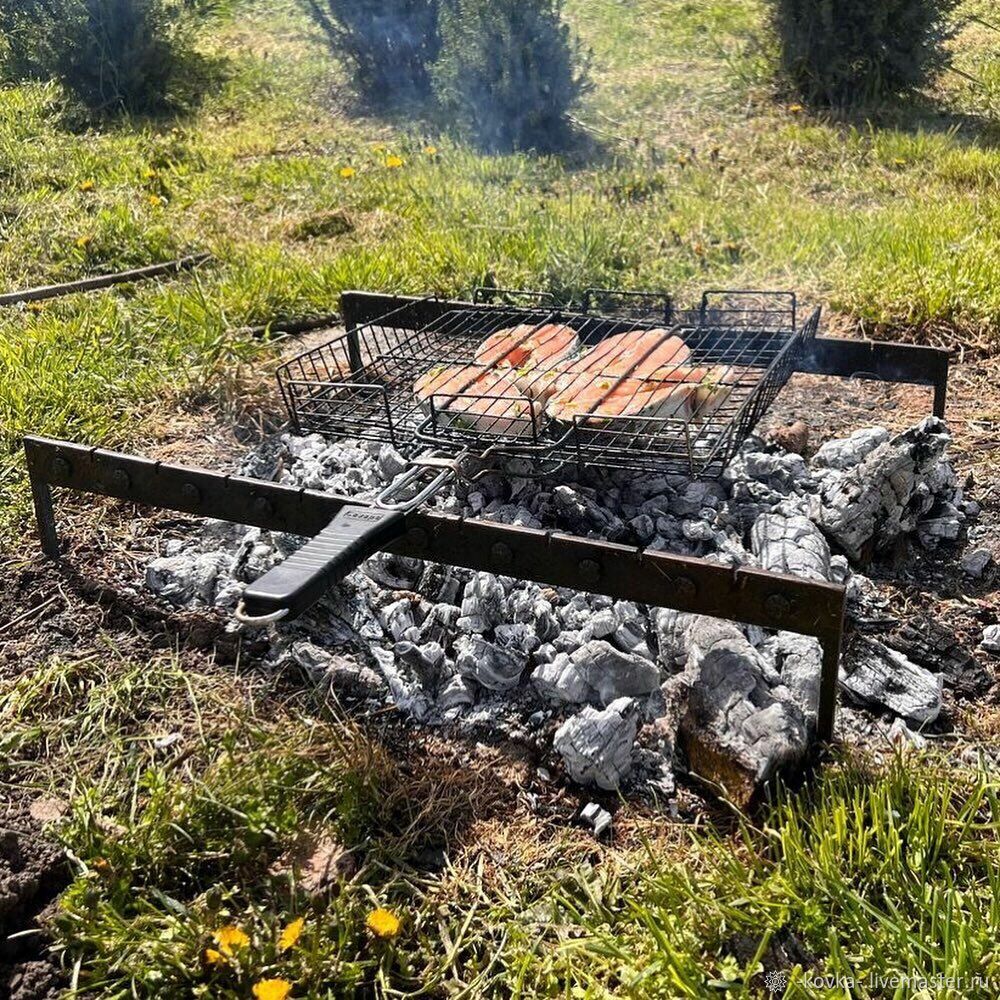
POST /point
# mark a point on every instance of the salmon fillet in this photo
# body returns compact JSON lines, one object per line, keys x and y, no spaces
{"x":637,"y":354}
{"x":470,"y":398}
{"x":686,"y":393}
{"x":528,"y":346}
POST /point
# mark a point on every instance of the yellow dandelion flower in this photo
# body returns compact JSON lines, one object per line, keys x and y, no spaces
{"x":796,"y":109}
{"x":272,"y":989}
{"x":392,"y":162}
{"x":87,"y":185}
{"x":84,"y":241}
{"x":431,"y":150}
{"x":230,"y":937}
{"x":383,"y":923}
{"x":347,"y":172}
{"x":214,"y":957}
{"x":899,"y":162}
{"x":155,"y":200}
{"x":291,"y":934}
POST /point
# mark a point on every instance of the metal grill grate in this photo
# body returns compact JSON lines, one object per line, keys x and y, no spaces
{"x":362,"y":385}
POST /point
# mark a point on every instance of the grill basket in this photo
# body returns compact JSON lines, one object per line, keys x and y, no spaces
{"x":361,"y":384}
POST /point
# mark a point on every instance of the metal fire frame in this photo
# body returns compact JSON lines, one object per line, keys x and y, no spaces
{"x":659,"y":579}
{"x":552,"y":558}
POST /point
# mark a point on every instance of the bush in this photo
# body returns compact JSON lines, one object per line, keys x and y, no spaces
{"x":843,"y":53}
{"x":390,"y":43}
{"x":111,"y":54}
{"x":509,"y":72}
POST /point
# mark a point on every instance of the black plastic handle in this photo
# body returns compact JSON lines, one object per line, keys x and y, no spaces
{"x":305,"y":576}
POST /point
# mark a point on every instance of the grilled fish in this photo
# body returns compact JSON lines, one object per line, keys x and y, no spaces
{"x":467,"y":397}
{"x":683,"y":393}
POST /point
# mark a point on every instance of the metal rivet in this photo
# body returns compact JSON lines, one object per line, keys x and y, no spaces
{"x":191,"y":493}
{"x":590,"y":571}
{"x":61,"y":467}
{"x":685,"y":588}
{"x":777,"y":605}
{"x":502,"y":554}
{"x":417,"y":537}
{"x":121,"y":479}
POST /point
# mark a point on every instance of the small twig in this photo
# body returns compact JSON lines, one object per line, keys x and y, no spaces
{"x":27,"y":614}
{"x":104,"y":280}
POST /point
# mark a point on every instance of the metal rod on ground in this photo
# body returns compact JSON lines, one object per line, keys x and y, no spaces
{"x":104,"y":280}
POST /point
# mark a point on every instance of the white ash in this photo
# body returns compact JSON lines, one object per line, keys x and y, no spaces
{"x":476,"y":649}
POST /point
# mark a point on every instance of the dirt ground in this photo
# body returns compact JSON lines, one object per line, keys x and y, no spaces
{"x":47,"y":609}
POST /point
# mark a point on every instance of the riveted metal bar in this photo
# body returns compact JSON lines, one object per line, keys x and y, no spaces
{"x":622,"y":572}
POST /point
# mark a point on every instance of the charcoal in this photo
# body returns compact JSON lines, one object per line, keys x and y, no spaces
{"x":459,"y":692}
{"x":878,"y":499}
{"x":697,"y":531}
{"x":393,"y":572}
{"x":602,"y":624}
{"x":991,"y":639}
{"x":406,"y":692}
{"x":934,"y":646}
{"x":694,"y":497}
{"x":427,"y":661}
{"x":975,"y":563}
{"x":946,"y":526}
{"x":792,"y":545}
{"x":596,"y":745}
{"x":484,"y":604}
{"x":612,"y":674}
{"x":576,"y":614}
{"x":644,"y":527}
{"x":545,"y":653}
{"x":846,"y":453}
{"x":798,"y":660}
{"x":735,"y":731}
{"x":559,"y":680}
{"x":885,"y":678}
{"x":517,"y":636}
{"x":187,"y":579}
{"x":390,"y":463}
{"x":494,"y":667}
{"x":401,"y":615}
{"x":439,"y":583}
{"x":345,"y":677}
{"x":596,"y":817}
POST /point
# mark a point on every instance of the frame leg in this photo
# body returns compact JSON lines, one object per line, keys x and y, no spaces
{"x":41,"y":494}
{"x":829,"y":679}
{"x":940,"y":396}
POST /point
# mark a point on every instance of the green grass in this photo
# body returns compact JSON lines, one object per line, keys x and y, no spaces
{"x":696,"y":175}
{"x":872,"y":871}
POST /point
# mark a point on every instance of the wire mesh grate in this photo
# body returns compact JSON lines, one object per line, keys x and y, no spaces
{"x":613,"y":401}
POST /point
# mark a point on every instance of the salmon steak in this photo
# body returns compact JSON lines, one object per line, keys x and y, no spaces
{"x":683,"y":393}
{"x":528,"y":350}
{"x":635,"y":354}
{"x":471,"y":398}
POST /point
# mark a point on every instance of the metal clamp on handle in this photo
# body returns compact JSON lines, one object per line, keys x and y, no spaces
{"x":355,"y":534}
